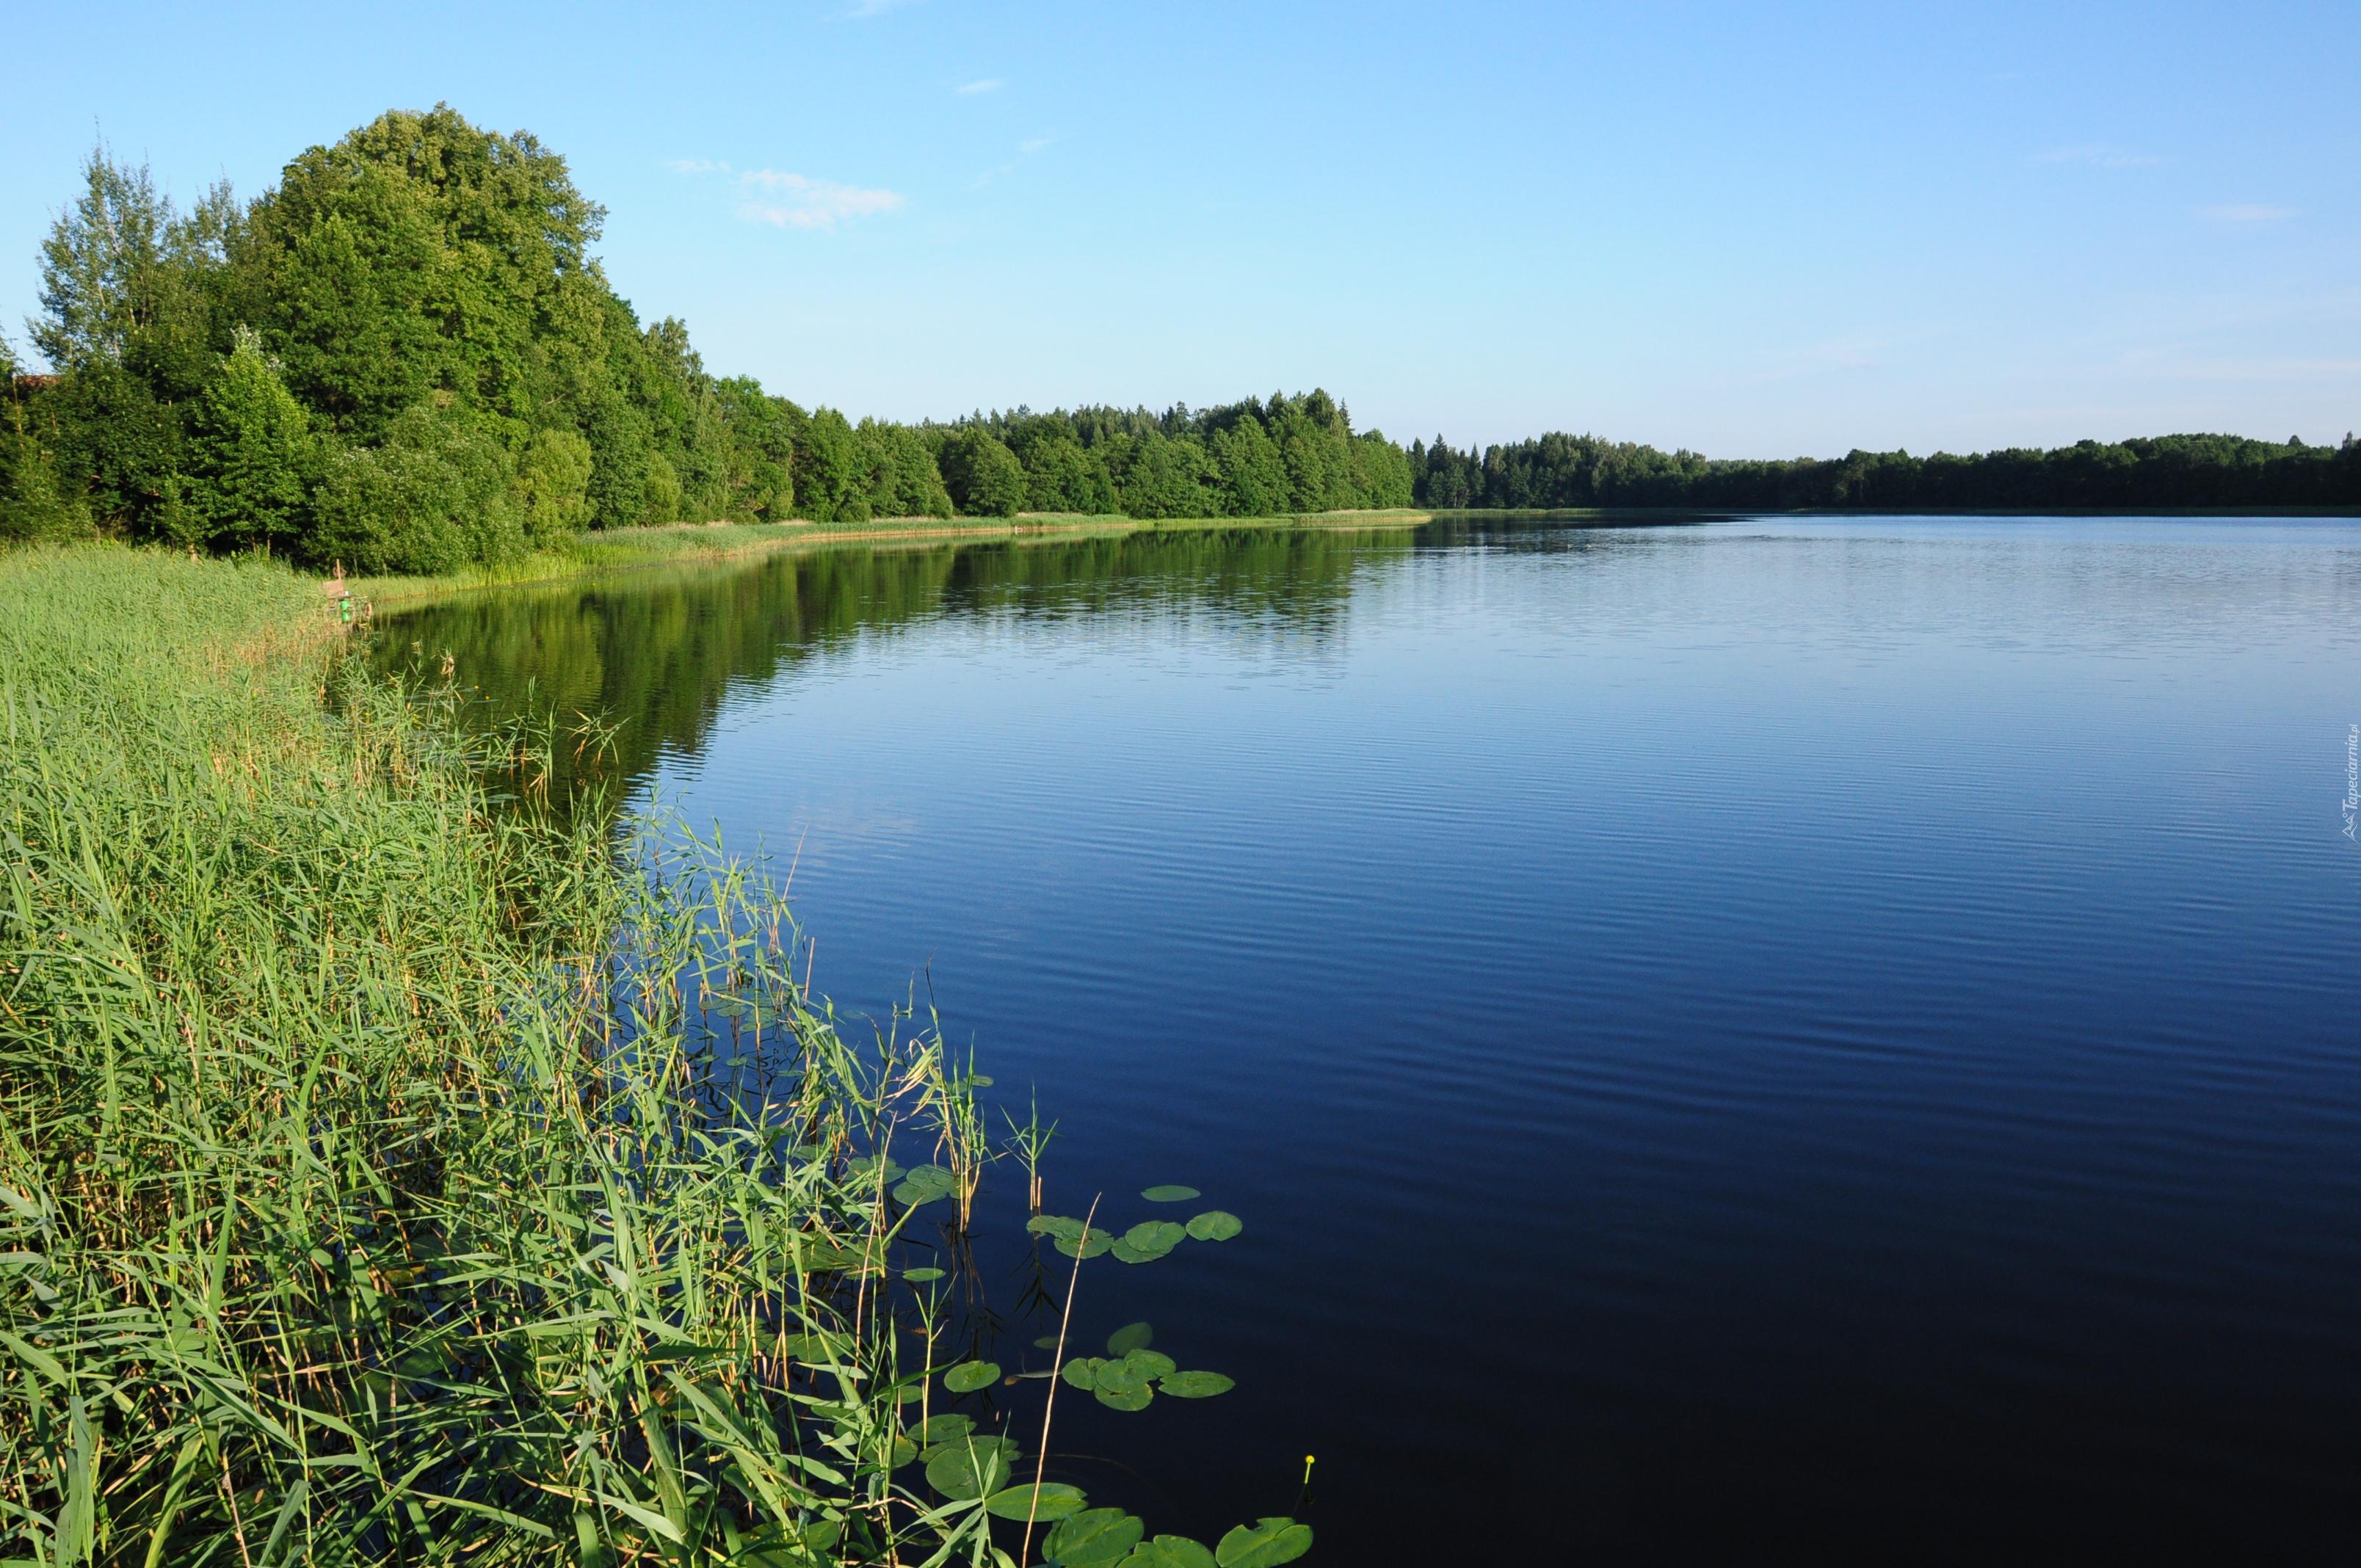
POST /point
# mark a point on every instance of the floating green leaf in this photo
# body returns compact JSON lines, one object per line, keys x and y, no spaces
{"x":1215,"y":1225}
{"x":1168,"y":1551}
{"x":1083,"y":1371}
{"x":1146,"y":1363}
{"x":1006,"y":1447}
{"x":900,"y":1453}
{"x":1146,"y":1242}
{"x":942,"y":1429}
{"x":1171,"y":1194}
{"x":1058,"y":1500}
{"x":1125,"y":1397}
{"x":970,"y":1375}
{"x":1095,"y":1538}
{"x":1264,"y":1545}
{"x":821,"y":1255}
{"x":1118,"y":1378}
{"x":924,"y":1185}
{"x":1090,"y":1244}
{"x":1195,"y":1385}
{"x":966,"y":1470}
{"x":1130,"y":1337}
{"x":1054,"y":1225}
{"x":818,"y":1347}
{"x":921,"y":1276}
{"x":1046,"y":1342}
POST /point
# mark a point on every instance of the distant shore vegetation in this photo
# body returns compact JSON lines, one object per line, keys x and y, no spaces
{"x":405,"y":357}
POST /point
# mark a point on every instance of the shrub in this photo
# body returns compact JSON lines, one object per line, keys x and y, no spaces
{"x":437,"y":496}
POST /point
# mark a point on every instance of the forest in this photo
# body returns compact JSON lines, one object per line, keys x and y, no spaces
{"x":405,"y":357}
{"x":2169,"y":472}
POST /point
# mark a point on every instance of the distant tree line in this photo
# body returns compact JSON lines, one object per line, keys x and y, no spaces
{"x":1253,"y":458}
{"x":404,"y":357}
{"x":2167,"y":471}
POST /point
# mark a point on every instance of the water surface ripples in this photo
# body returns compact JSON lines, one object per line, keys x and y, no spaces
{"x":1747,"y":1040}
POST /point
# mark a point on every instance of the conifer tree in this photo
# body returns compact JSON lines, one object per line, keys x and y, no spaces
{"x":253,"y":450}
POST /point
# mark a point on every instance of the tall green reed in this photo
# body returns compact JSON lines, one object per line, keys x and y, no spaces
{"x":393,"y":1174}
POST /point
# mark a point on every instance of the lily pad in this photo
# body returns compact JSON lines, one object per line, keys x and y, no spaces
{"x":1195,"y":1385}
{"x":942,"y":1429}
{"x":818,"y":1347}
{"x":1046,"y":1342}
{"x":900,"y":1453}
{"x":1118,"y":1378}
{"x":1266,"y":1544}
{"x":1124,"y":1396}
{"x":1215,"y":1225}
{"x":1130,"y":1337}
{"x":924,"y":1185}
{"x":921,"y":1276}
{"x":1090,"y":1244}
{"x":1168,"y":1551}
{"x":1053,"y":1225}
{"x":821,"y":1257}
{"x":966,"y":1470}
{"x":1171,"y":1194}
{"x":1006,"y":1447}
{"x":1095,"y":1538}
{"x":1056,"y":1501}
{"x":1150,"y":1240}
{"x":970,"y":1375}
{"x":1083,"y":1371}
{"x":1148,"y":1363}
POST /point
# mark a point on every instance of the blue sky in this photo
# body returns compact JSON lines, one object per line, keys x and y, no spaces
{"x":1750,"y":230}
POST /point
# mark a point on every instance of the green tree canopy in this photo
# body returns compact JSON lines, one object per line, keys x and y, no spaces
{"x":253,"y":449}
{"x":984,"y":477}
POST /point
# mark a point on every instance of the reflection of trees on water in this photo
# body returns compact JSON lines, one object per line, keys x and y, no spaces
{"x":656,"y":652}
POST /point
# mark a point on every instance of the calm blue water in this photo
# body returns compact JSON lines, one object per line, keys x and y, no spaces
{"x":1750,"y":1040}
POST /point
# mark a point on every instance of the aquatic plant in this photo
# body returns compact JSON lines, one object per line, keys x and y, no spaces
{"x":392,"y":1173}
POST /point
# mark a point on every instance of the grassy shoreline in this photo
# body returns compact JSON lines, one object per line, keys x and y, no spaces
{"x":388,"y":1173}
{"x":621,"y":550}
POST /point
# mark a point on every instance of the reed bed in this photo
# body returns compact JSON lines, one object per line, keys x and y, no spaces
{"x":392,"y":1173}
{"x":627,"y":548}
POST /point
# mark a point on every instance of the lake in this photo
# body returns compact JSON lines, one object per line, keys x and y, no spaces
{"x":1753,"y":1038}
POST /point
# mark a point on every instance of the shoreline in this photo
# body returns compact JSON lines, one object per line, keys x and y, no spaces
{"x":637,"y":549}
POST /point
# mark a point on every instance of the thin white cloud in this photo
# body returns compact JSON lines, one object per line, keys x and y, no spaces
{"x":1025,"y":150}
{"x":988,"y":84}
{"x":2098,"y":154}
{"x":2245,"y":213}
{"x":1836,"y":356}
{"x":798,"y":202}
{"x":790,"y":200}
